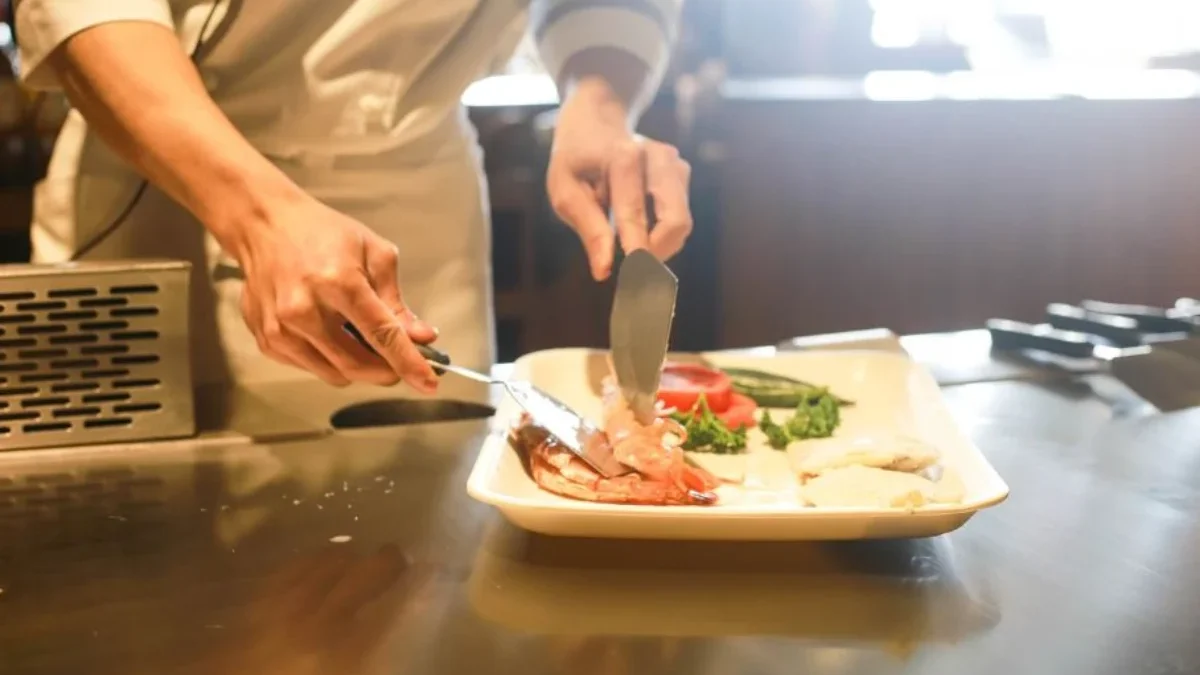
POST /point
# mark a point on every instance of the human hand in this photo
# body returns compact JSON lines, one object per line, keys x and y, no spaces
{"x":597,"y":163}
{"x":309,"y":270}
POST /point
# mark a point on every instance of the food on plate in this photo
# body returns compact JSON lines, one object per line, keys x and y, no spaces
{"x":817,"y":415}
{"x":864,"y":486}
{"x":652,"y":450}
{"x":661,"y":473}
{"x":708,"y":431}
{"x":895,"y":453}
{"x":705,"y":432}
{"x":685,"y":385}
{"x":740,"y":413}
{"x":777,"y":436}
{"x":770,"y":390}
{"x":682,"y":385}
{"x":556,"y":469}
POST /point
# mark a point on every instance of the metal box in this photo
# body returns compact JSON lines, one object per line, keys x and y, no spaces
{"x":94,"y":353}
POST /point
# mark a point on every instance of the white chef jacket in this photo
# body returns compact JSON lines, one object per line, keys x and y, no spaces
{"x":359,"y":102}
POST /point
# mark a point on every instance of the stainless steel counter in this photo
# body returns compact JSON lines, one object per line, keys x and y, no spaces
{"x":286,"y":549}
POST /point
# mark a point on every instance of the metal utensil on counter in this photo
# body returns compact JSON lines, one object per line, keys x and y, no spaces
{"x":640,"y":328}
{"x":1163,"y":374}
{"x":568,"y":427}
{"x":1118,"y":330}
{"x":1170,"y":329}
{"x":1149,"y":319}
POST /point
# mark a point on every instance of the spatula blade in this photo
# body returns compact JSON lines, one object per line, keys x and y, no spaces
{"x":571,"y":430}
{"x":640,"y":328}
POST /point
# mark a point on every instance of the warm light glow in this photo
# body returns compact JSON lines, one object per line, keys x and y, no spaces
{"x":1138,"y":84}
{"x":1021,"y":85}
{"x":900,"y":85}
{"x":511,"y":90}
{"x":1081,"y":34}
{"x":895,"y":30}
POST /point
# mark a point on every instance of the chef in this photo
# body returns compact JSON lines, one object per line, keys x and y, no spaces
{"x":312,"y":160}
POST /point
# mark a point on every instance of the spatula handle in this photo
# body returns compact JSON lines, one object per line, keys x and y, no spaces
{"x":429,"y":353}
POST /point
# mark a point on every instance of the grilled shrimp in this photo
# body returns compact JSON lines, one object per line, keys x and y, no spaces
{"x":555,"y":469}
{"x":652,"y":450}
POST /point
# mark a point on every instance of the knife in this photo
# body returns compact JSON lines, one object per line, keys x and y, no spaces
{"x":1149,"y":319}
{"x":1119,"y":329}
{"x":1165,"y":374}
{"x":640,"y":328}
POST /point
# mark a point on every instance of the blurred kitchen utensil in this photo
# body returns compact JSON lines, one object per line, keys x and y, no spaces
{"x":1118,"y":330}
{"x":640,"y":328}
{"x":1149,"y":319}
{"x":1163,"y":374}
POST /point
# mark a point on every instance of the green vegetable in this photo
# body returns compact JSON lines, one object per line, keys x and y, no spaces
{"x":707,"y":433}
{"x":817,"y":415}
{"x":774,"y":391}
{"x":777,"y":436}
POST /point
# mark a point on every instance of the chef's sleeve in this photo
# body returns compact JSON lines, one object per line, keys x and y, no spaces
{"x":644,"y":28}
{"x":43,"y":25}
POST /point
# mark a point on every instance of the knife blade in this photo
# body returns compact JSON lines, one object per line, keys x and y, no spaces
{"x":640,"y":328}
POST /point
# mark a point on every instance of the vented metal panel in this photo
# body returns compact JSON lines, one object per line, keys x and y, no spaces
{"x":94,"y":353}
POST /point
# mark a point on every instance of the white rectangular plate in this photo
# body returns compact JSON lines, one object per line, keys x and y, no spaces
{"x":892,"y":394}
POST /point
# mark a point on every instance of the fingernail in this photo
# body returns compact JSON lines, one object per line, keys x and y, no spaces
{"x":600,"y":271}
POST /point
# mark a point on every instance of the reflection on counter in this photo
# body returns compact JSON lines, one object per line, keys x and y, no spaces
{"x":894,"y":595}
{"x":226,"y":555}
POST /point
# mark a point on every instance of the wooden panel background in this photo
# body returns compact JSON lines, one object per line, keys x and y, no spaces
{"x":923,"y":216}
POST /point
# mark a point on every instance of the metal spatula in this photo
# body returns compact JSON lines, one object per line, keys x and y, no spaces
{"x":640,"y":329}
{"x":568,"y":427}
{"x":574,"y":432}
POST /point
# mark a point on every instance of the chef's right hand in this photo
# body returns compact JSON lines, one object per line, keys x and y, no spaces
{"x":310,"y":269}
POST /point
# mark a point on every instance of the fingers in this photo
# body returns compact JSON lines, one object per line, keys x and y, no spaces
{"x":382,"y":260}
{"x":280,"y":345}
{"x":353,"y":298}
{"x":668,"y":176}
{"x":325,"y":337}
{"x":627,"y":183}
{"x":577,"y":204}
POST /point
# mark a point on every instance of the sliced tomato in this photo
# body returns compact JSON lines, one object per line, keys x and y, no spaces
{"x":682,"y":384}
{"x":740,"y":412}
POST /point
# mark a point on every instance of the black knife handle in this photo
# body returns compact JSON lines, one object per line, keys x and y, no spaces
{"x":1119,"y":330}
{"x":1149,"y":319}
{"x":1013,"y":336}
{"x":428,"y":352}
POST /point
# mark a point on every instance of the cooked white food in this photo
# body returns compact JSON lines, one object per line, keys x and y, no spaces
{"x":864,"y":486}
{"x":813,"y":458}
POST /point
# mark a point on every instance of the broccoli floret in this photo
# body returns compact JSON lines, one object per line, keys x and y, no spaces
{"x":707,"y":433}
{"x":777,"y":436}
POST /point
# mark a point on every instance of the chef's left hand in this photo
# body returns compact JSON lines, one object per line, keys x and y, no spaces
{"x":598,"y":163}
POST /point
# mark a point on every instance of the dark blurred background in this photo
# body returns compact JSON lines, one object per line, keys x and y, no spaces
{"x":920,"y":165}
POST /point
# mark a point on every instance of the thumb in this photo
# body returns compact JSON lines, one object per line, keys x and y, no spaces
{"x":577,"y":205}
